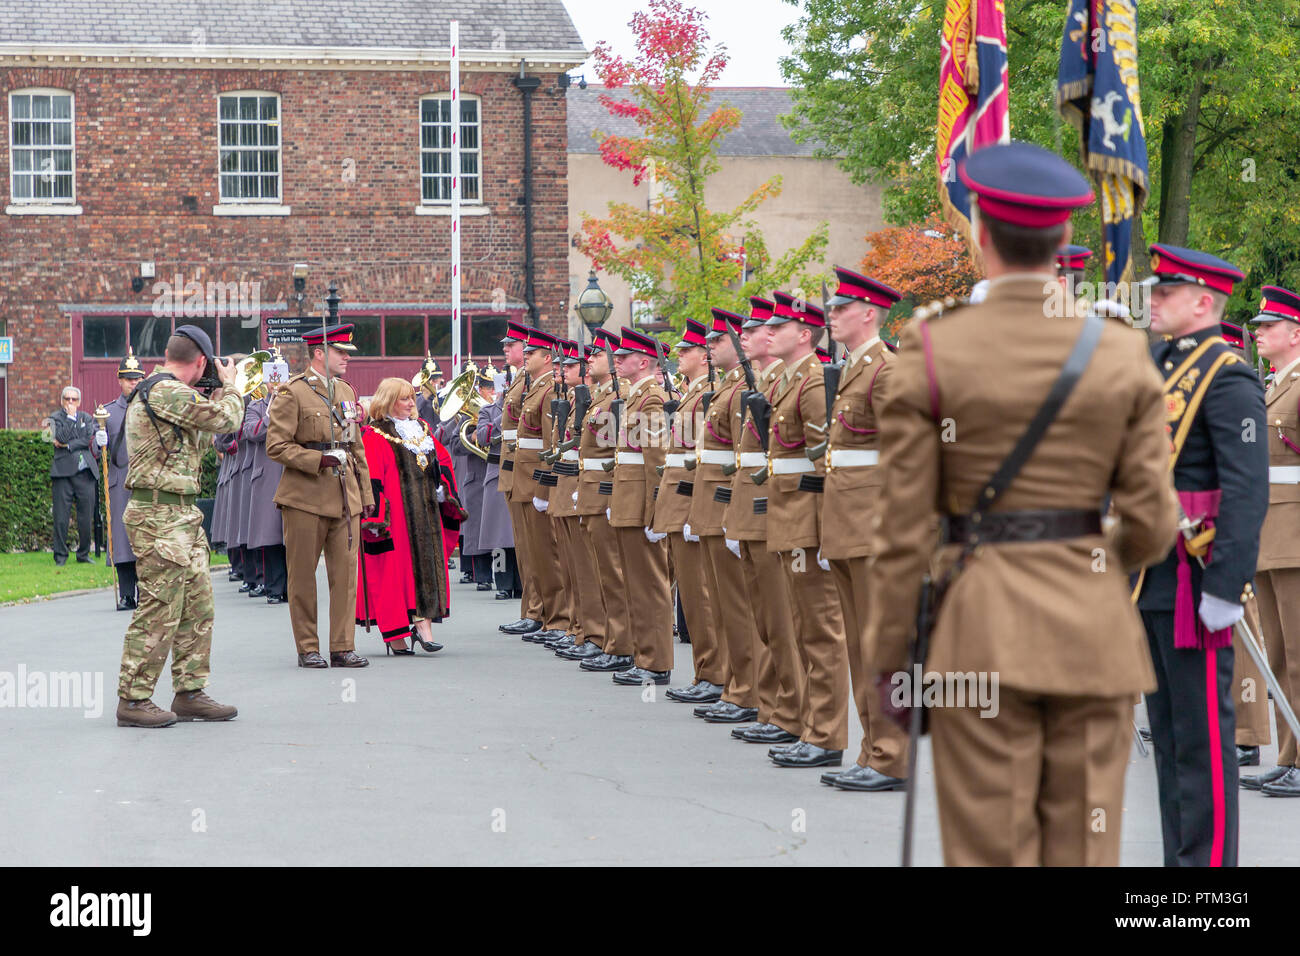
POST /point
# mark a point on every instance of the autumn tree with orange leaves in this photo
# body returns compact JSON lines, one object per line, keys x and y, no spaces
{"x":924,"y":261}
{"x":678,"y":254}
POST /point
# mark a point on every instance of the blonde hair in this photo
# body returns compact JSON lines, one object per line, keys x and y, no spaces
{"x":389,"y":391}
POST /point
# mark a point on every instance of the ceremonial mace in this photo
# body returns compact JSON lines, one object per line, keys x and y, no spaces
{"x":101,"y":420}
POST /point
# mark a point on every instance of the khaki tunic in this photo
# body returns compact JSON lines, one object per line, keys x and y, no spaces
{"x":301,"y":414}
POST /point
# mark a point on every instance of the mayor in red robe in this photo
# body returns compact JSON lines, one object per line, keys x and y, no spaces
{"x":402,"y":582}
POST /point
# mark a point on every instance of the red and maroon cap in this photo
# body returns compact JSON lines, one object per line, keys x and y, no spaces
{"x":339,"y":336}
{"x":1073,"y":258}
{"x":637,"y":343}
{"x":721,"y":317}
{"x":789,"y":309}
{"x":760,"y":310}
{"x":1024,"y":184}
{"x":1233,"y":334}
{"x":537,"y":339}
{"x":601,"y":336}
{"x":1174,"y":265}
{"x":693,"y":335}
{"x":823,"y":356}
{"x":855,"y":287}
{"x":591,"y":352}
{"x":570,"y":351}
{"x":1278,"y":305}
{"x":515,"y":332}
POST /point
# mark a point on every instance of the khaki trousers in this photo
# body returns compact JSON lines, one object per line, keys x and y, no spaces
{"x":544,"y":566}
{"x":602,"y":539}
{"x":884,"y":743}
{"x":819,"y":637}
{"x":734,"y":618}
{"x":780,"y":676}
{"x":1040,"y":784}
{"x":1250,"y":694}
{"x":649,"y":598}
{"x":530,"y":605}
{"x":589,"y":607}
{"x":562,"y":529}
{"x":1277,"y":594}
{"x":702,"y":605}
{"x":306,"y":536}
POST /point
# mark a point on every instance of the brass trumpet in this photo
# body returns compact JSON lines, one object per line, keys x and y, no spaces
{"x":461,"y":395}
{"x":249,"y":380}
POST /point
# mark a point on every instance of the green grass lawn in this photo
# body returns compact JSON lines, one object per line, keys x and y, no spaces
{"x":27,"y":576}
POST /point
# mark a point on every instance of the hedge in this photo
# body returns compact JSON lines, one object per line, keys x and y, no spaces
{"x":26,"y":493}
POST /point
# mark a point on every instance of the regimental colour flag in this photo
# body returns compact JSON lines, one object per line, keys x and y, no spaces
{"x":1097,"y":90}
{"x":973,"y":110}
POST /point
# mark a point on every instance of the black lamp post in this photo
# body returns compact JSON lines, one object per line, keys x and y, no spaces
{"x":593,"y":306}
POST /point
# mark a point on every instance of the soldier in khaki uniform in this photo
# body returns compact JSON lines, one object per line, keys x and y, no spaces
{"x":644,"y":553}
{"x":1277,"y":581}
{"x":779,"y":675}
{"x":322,"y":494}
{"x":542,"y":556}
{"x":1036,"y":605}
{"x":673,"y":505}
{"x":596,"y":451}
{"x":165,"y":423}
{"x":512,"y":401}
{"x":798,"y":422}
{"x":852,"y":490}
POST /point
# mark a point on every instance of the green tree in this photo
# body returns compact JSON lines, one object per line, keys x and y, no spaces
{"x":678,"y":254}
{"x":1219,"y":84}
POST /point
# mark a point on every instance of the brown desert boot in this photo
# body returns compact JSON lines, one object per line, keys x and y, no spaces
{"x":196,"y":705}
{"x":142,"y":713}
{"x":347,"y":659}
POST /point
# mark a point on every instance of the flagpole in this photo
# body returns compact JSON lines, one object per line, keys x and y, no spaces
{"x":455,"y":200}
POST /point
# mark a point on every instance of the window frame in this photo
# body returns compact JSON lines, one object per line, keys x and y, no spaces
{"x":477,"y":150}
{"x":235,"y":201}
{"x":38,"y":201}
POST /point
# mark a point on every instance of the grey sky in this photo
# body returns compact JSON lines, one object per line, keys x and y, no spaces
{"x":751,"y":30}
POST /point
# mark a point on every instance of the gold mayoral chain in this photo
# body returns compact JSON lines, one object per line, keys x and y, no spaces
{"x":414,"y":447}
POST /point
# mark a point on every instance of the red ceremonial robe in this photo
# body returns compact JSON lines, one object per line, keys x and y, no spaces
{"x":402,"y":561}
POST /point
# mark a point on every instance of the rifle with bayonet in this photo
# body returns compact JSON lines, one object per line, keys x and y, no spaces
{"x":560,"y":407}
{"x":616,"y":406}
{"x":832,"y":372}
{"x":751,"y":388}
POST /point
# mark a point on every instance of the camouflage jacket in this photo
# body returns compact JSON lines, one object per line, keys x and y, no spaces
{"x":169,"y":458}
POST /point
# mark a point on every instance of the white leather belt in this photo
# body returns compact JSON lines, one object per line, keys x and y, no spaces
{"x":1284,"y":475}
{"x":570,"y":455}
{"x":852,"y":458}
{"x":594,"y":464}
{"x":629,"y":458}
{"x":531,"y":443}
{"x":721,"y":456}
{"x":510,"y":434}
{"x":791,"y":466}
{"x":674,"y":461}
{"x":752,"y":459}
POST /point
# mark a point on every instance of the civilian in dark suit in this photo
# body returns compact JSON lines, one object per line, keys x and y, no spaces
{"x":75,"y":474}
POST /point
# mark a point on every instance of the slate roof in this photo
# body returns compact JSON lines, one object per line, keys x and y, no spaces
{"x":404,"y":24}
{"x":760,"y":132}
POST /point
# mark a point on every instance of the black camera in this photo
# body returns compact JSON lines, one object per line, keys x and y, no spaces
{"x":209,"y":381}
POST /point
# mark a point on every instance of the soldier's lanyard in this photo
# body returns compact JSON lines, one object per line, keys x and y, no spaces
{"x":334,"y":412}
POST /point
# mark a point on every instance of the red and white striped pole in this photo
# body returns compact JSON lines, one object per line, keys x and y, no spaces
{"x":456,"y":340}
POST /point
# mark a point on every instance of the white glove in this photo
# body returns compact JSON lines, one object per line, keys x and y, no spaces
{"x":101,"y":438}
{"x":732,"y":546}
{"x":686,"y":533}
{"x":541,"y":505}
{"x":338,"y":454}
{"x":1217,"y":614}
{"x":652,"y":537}
{"x":442,"y":494}
{"x":608,"y":516}
{"x":575,"y":497}
{"x":822,"y":562}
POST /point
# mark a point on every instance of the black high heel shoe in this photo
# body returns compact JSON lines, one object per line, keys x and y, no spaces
{"x":397,"y":651}
{"x":429,"y":647}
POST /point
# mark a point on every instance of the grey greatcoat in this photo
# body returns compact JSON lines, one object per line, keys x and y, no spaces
{"x":241,"y":480}
{"x":225,"y":445}
{"x":493,"y":518}
{"x":264,"y":527}
{"x":470,"y":471}
{"x":118,"y":495}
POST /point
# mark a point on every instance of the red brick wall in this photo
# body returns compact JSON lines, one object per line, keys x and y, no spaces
{"x":147,"y":138}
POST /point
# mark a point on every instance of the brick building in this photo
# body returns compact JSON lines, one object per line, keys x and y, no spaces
{"x":217,"y":144}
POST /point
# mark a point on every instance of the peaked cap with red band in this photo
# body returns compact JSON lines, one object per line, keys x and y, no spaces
{"x":788,"y":310}
{"x":1073,"y":258}
{"x":515,"y":332}
{"x":721,"y":317}
{"x":760,"y":310}
{"x":591,"y":352}
{"x":537,"y":339}
{"x":1278,"y":305}
{"x":601,"y":336}
{"x":569,"y":349}
{"x":1024,"y":185}
{"x":637,"y":343}
{"x":855,"y":287}
{"x":693,"y":335}
{"x":1174,"y":265}
{"x":823,"y":356}
{"x":1234,"y":335}
{"x":339,"y":336}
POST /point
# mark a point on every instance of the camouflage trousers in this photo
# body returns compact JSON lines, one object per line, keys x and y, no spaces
{"x":174,"y":614}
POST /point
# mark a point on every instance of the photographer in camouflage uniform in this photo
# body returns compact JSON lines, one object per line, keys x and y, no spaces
{"x":166,"y":419}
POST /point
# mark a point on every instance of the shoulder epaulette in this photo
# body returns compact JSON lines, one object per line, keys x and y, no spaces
{"x":940,"y":307}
